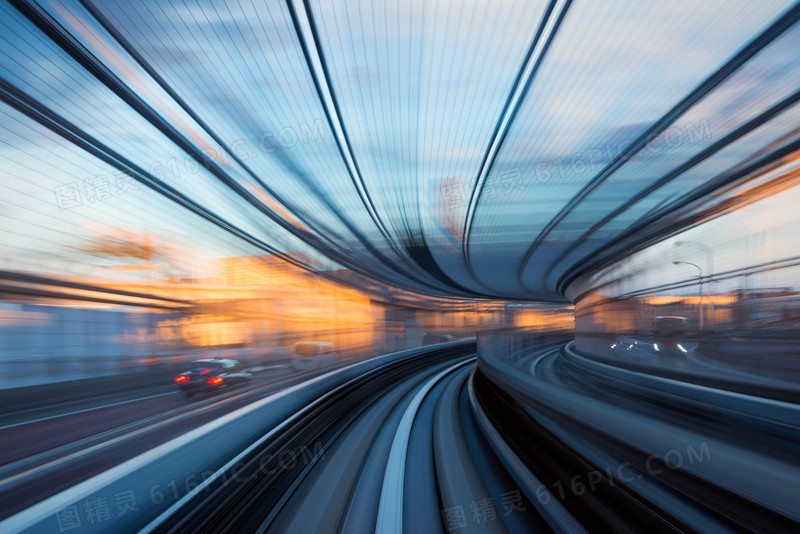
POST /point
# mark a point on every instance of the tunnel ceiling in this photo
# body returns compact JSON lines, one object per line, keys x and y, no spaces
{"x":474,"y":148}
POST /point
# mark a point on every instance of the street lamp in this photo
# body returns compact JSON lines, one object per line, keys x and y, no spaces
{"x":710,"y":257}
{"x":704,"y":248}
{"x":699,"y":277}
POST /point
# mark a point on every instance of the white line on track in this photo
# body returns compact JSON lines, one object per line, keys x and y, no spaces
{"x":390,"y":510}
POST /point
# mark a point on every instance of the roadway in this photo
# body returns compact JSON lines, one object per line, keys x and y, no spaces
{"x":64,"y":446}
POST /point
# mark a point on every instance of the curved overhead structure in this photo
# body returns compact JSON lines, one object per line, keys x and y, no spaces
{"x":477,"y":149}
{"x":605,"y":194}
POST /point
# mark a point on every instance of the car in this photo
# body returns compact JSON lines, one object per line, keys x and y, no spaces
{"x":212,"y":375}
{"x":670,"y":336}
{"x":670,"y":326}
{"x":632,"y":347}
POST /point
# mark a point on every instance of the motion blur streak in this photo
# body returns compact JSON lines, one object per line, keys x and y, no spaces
{"x":408,"y":266}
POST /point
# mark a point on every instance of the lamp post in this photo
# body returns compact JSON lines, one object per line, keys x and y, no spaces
{"x":710,"y":256}
{"x":700,"y":278}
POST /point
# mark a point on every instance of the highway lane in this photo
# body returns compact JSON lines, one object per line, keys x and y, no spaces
{"x":45,"y":401}
{"x":42,"y":457}
{"x":27,"y":439}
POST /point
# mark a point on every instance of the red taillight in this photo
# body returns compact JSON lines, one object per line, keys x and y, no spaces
{"x":215,"y":380}
{"x":182,"y":378}
{"x":204,"y":371}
